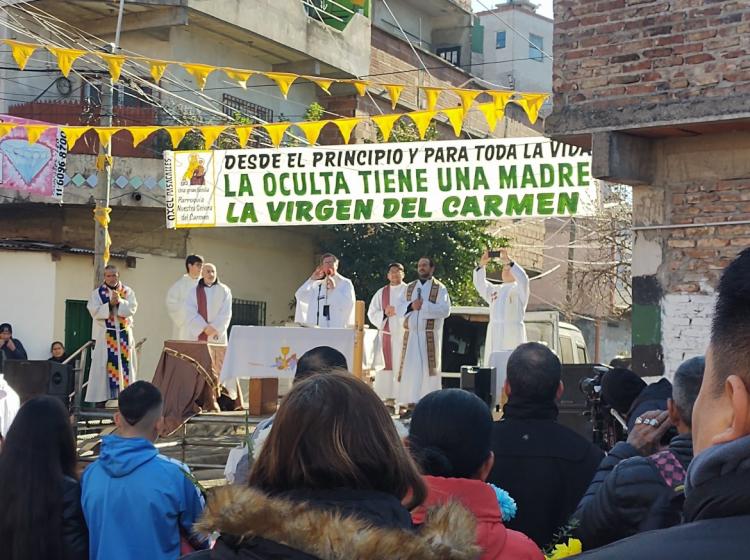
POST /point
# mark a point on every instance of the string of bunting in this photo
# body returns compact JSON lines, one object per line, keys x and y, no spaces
{"x":22,"y":52}
{"x":492,"y":112}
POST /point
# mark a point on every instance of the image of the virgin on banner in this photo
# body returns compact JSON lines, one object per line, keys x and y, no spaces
{"x":32,"y":168}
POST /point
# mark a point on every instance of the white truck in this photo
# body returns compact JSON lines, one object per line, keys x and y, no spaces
{"x":464,"y":335}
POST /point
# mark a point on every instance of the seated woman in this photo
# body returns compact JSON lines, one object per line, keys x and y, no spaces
{"x":58,"y":352}
{"x":10,"y":348}
{"x":41,"y":515}
{"x":329,"y":484}
{"x":449,"y":437}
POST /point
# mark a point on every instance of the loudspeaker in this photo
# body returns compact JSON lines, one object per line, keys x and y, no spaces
{"x":31,"y":378}
{"x":478,"y":381}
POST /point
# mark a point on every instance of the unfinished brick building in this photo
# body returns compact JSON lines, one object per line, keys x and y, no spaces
{"x":661,"y":92}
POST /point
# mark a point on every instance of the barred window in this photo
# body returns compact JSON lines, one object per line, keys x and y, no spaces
{"x":248,"y":312}
{"x":234,"y":105}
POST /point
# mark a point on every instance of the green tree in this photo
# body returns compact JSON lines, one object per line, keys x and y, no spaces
{"x":366,"y":250}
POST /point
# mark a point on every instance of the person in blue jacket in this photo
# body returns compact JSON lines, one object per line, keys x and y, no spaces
{"x":138,"y":504}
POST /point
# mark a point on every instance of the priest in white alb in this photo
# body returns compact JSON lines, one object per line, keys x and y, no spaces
{"x":507,"y":301}
{"x":326,"y":299}
{"x":113,"y":362}
{"x":388,"y":346}
{"x":209,"y":308}
{"x":424,"y":307}
{"x":178,"y":294}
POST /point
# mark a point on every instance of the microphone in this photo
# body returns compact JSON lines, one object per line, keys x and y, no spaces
{"x":419,"y":293}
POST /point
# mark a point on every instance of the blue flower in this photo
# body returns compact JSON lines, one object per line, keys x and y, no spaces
{"x":508,"y":507}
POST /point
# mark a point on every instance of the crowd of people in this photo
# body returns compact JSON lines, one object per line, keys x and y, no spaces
{"x":336,"y":476}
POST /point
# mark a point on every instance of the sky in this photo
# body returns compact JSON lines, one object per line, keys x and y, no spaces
{"x":545,"y":6}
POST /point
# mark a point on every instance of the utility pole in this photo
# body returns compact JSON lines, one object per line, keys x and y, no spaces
{"x":571,"y":270}
{"x":104,"y":165}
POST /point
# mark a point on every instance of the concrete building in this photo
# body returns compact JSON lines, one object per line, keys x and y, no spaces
{"x":51,"y":245}
{"x":661,"y":92}
{"x":515,"y":39}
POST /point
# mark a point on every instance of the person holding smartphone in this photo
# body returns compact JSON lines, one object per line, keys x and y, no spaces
{"x":507,"y":301}
{"x":326,"y":299}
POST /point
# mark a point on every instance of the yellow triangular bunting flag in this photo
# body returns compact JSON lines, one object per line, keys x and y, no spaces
{"x":432,"y":95}
{"x":394,"y":91}
{"x":199,"y":72}
{"x":311,"y":130}
{"x":467,"y":97}
{"x":5,"y":128}
{"x":34,"y":131}
{"x":501,"y":98}
{"x":243,"y":134}
{"x":115,"y":62}
{"x":360,"y":86}
{"x":140,"y":133}
{"x":283,"y":80}
{"x":105,"y":133}
{"x":385,"y":124}
{"x":211,"y":133}
{"x":66,"y":58}
{"x":490,"y":113}
{"x":21,"y":51}
{"x":456,"y":118}
{"x":239,"y":76}
{"x":176,"y":134}
{"x":531,"y":103}
{"x":322,"y":83}
{"x":157,"y":69}
{"x":73,"y":133}
{"x":422,"y":119}
{"x":346,"y":126}
{"x":276,"y":132}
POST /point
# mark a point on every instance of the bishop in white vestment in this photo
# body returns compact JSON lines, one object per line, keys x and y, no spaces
{"x":507,"y":301}
{"x":326,"y":299}
{"x":388,"y":346}
{"x":113,"y":361}
{"x":178,"y":294}
{"x":424,"y":307}
{"x":209,"y":309}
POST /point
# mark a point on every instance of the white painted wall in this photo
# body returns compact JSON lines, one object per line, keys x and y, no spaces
{"x":529,"y":75}
{"x":686,"y":328}
{"x":27,"y":299}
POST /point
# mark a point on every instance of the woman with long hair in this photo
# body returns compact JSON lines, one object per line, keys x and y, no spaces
{"x":334,"y":481}
{"x":40,"y":497}
{"x":449,"y":437}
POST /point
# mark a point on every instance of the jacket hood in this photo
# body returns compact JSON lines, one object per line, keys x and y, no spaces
{"x":121,"y":456}
{"x":449,"y":532}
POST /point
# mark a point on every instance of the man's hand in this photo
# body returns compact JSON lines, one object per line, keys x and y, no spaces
{"x":648,"y":430}
{"x":416,"y":305}
{"x":210,"y":331}
{"x":485,"y":258}
{"x":504,"y":257}
{"x":330,"y":283}
{"x":390,"y":311}
{"x":114,"y":299}
{"x":317,"y":274}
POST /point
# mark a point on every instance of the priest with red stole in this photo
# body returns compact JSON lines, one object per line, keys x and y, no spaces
{"x":209,"y":308}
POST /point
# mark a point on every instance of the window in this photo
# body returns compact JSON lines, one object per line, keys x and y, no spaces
{"x":247,"y":312}
{"x":451,"y":54}
{"x":582,"y":358}
{"x":566,"y":346}
{"x":234,"y":105}
{"x":500,"y":40}
{"x":536,"y":47}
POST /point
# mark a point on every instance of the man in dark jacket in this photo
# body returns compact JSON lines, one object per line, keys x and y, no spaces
{"x":717,"y":488}
{"x":546,"y":467}
{"x":636,"y":488}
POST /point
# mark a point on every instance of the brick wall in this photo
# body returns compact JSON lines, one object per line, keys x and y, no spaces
{"x":686,"y":324}
{"x":648,"y":54}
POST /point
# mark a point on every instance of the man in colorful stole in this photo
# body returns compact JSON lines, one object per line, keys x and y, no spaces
{"x":113,"y":365}
{"x":424,"y":307}
{"x":382,"y":314}
{"x":326,"y":299}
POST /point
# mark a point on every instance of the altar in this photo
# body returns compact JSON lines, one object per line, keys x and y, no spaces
{"x":273,"y":352}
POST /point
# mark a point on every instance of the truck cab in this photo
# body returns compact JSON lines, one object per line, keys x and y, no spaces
{"x":465,"y":330}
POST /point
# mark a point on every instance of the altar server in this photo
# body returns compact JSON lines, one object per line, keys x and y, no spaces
{"x":178,"y":294}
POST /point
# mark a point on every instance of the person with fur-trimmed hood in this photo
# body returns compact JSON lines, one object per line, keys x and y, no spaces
{"x":329,"y":484}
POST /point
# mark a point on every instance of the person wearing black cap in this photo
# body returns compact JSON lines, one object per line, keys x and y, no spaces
{"x":10,"y":348}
